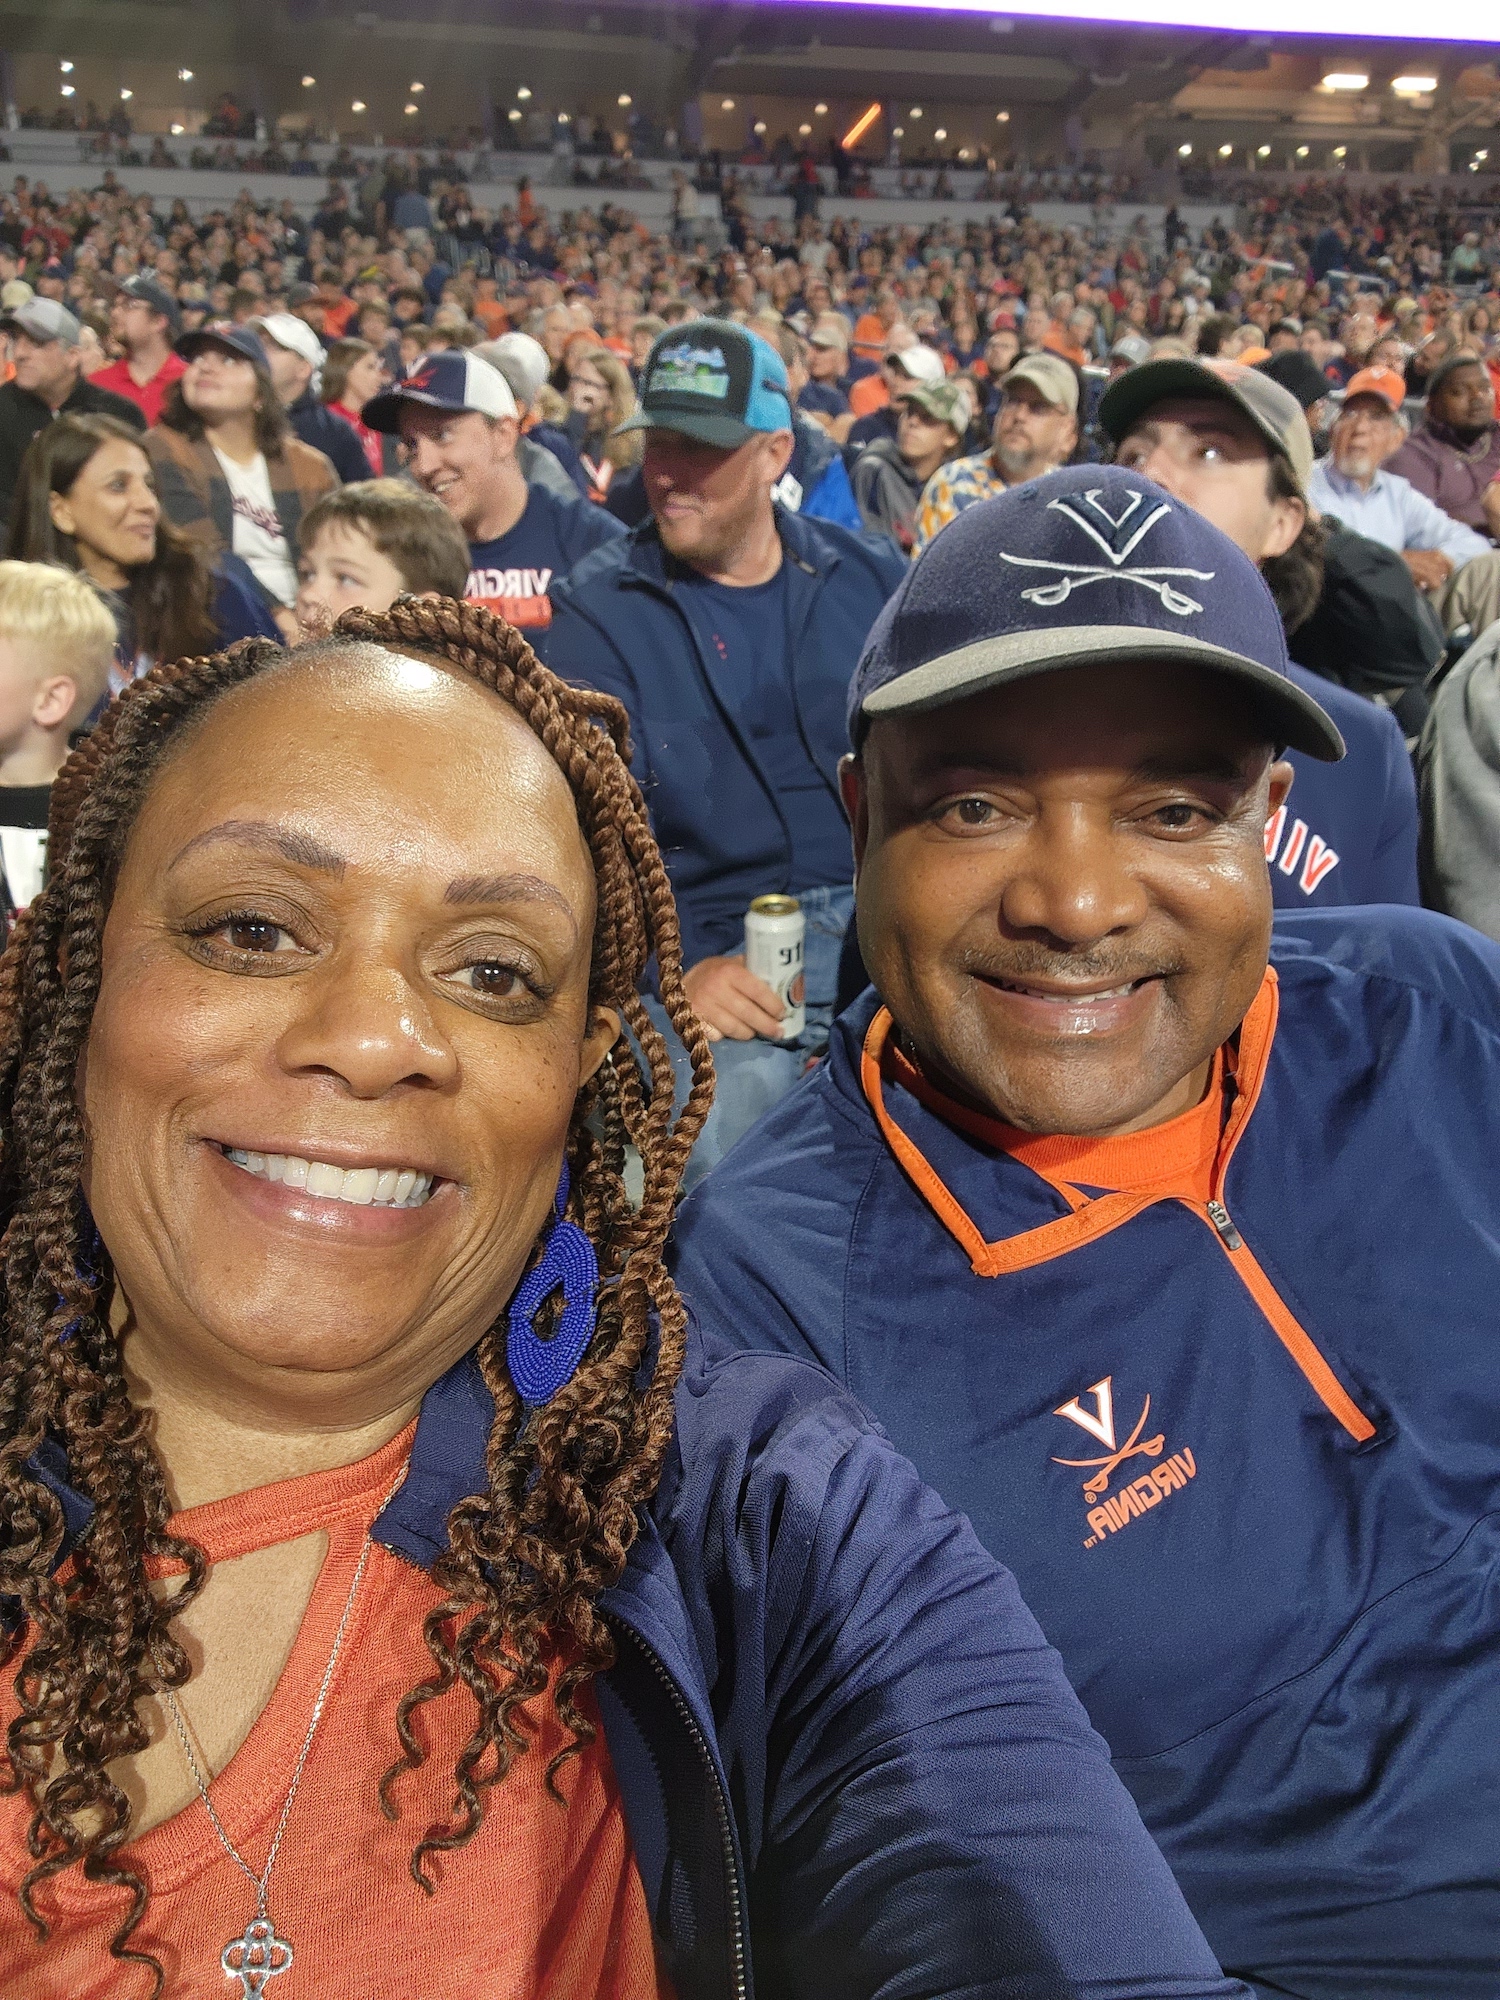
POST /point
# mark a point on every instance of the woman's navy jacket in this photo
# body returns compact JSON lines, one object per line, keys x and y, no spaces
{"x":850,"y":1763}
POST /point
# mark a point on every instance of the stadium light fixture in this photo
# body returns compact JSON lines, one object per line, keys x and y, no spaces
{"x":898,"y":131}
{"x":514,"y":117}
{"x":760,"y":128}
{"x":357,"y":106}
{"x":524,"y":92}
{"x":1346,"y":79}
{"x":915,"y":112}
{"x":1184,"y":151}
{"x":1226,"y":152}
{"x":67,"y":90}
{"x":66,"y":68}
{"x":941,"y":133}
{"x":126,"y":95}
{"x":184,"y":76}
{"x":1262,"y":152}
{"x":803,"y":131}
{"x":820,"y":111}
{"x":409,"y":110}
{"x":861,"y":125}
{"x":624,"y":100}
{"x":1002,"y":117}
{"x":1482,"y":154}
{"x":1414,"y":86}
{"x":416,"y":89}
{"x":1341,"y":152}
{"x":1302,"y":152}
{"x":308,"y":82}
{"x":727,"y":104}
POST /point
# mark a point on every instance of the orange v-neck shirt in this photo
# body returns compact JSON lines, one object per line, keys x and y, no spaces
{"x":545,"y":1900}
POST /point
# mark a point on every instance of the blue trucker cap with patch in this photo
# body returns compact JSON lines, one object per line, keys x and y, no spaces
{"x":1084,"y":566}
{"x":713,"y":381}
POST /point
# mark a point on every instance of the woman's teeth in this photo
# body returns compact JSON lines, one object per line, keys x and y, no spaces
{"x":380,"y":1187}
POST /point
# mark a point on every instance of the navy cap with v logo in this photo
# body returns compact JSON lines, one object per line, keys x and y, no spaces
{"x":1086,"y":565}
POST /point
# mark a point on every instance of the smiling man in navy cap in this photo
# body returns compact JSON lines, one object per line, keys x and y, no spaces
{"x":1167,"y":1249}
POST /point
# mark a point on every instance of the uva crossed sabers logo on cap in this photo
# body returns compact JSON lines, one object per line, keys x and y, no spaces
{"x":1117,"y":537}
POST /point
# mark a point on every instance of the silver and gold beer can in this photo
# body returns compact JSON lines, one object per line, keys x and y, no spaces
{"x":775,"y":931}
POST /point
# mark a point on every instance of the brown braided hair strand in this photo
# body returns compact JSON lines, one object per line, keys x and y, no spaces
{"x":529,"y":1556}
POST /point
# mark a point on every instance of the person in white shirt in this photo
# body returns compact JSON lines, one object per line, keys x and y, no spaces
{"x":229,"y":471}
{"x":1451,"y":562}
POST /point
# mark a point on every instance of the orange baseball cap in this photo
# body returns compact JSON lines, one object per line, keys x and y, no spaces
{"x":1382,"y":382}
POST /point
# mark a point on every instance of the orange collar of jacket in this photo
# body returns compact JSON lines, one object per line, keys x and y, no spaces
{"x":1090,"y":1217}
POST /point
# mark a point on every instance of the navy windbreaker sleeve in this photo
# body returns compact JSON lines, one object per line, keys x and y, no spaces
{"x":1393,"y":865}
{"x":931,"y":1813}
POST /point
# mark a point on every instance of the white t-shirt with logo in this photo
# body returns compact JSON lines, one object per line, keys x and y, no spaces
{"x":259,"y":538}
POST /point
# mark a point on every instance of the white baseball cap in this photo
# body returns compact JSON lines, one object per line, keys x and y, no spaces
{"x":923,"y":364}
{"x":521,"y":360}
{"x":295,"y":335}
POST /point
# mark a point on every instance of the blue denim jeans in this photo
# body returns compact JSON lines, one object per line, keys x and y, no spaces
{"x":753,"y":1075}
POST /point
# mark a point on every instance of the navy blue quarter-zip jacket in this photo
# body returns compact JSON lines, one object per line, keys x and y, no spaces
{"x":621,"y":624}
{"x":1239,"y":1442}
{"x":851,"y":1766}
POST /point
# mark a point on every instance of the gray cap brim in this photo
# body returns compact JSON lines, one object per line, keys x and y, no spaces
{"x":727,"y":433}
{"x":1296,"y":719}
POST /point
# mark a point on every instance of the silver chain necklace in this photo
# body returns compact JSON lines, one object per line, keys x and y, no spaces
{"x":258,"y":1954}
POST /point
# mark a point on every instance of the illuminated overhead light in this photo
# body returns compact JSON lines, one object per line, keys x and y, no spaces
{"x":1262,"y":152}
{"x":564,"y":117}
{"x":803,"y":130}
{"x":860,"y":126}
{"x":524,"y":92}
{"x":416,"y":89}
{"x":941,"y":132}
{"x":760,"y":127}
{"x":1302,"y":152}
{"x":67,"y":90}
{"x":1340,"y":152}
{"x":358,"y":105}
{"x":624,"y":100}
{"x":820,"y":111}
{"x":1225,"y":152}
{"x":514,"y":117}
{"x":1346,"y":79}
{"x":409,"y":110}
{"x":1183,"y":150}
{"x":1002,"y":117}
{"x":727,"y":105}
{"x":66,"y":68}
{"x":1482,"y":154}
{"x":898,"y":131}
{"x":916,"y":111}
{"x":184,"y":76}
{"x":126,"y":95}
{"x":176,"y":131}
{"x":308,"y":82}
{"x":1413,"y":86}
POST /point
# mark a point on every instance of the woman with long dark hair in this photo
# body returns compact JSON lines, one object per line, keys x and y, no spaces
{"x":400,"y":1594}
{"x":86,"y":498}
{"x":352,"y":373}
{"x":229,"y":470}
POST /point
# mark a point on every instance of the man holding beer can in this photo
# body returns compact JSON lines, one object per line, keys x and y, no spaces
{"x":730,"y":628}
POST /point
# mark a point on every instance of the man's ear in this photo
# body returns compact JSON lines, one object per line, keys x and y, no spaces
{"x":1281,"y":778}
{"x":1288,"y":519}
{"x":856,"y":798}
{"x":779,"y":448}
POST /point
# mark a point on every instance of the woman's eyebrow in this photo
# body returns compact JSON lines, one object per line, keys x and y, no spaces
{"x":508,"y":889}
{"x":299,"y":848}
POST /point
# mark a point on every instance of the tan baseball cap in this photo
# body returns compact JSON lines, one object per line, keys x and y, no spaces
{"x":1050,"y":376}
{"x":1274,"y":411}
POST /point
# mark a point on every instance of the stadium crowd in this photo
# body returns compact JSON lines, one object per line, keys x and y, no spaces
{"x":1083,"y":597}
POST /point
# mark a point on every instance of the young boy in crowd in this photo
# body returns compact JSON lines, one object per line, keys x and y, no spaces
{"x":57,"y":643}
{"x":367,"y":544}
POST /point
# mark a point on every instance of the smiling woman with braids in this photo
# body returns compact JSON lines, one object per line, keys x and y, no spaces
{"x":401,"y":1599}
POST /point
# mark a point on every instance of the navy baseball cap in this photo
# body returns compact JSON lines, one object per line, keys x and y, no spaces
{"x":713,"y":381}
{"x":1080,"y":567}
{"x":449,"y":380}
{"x":150,"y":293}
{"x":239,"y":340}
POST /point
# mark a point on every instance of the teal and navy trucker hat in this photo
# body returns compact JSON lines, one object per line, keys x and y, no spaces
{"x":713,"y":381}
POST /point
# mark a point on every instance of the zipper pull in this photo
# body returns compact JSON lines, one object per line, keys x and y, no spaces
{"x":1218,"y":1215}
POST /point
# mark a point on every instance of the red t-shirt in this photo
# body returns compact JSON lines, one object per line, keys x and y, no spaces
{"x":147,"y":396}
{"x":545,"y":1900}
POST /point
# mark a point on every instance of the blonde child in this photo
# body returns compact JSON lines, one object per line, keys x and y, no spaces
{"x":57,"y":643}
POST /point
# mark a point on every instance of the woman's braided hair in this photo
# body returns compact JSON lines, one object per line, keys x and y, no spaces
{"x":529,"y":1556}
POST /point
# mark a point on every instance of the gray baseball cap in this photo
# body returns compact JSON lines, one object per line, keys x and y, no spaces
{"x":42,"y":320}
{"x":1274,"y":411}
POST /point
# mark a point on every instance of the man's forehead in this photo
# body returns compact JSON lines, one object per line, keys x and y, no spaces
{"x":1199,"y":413}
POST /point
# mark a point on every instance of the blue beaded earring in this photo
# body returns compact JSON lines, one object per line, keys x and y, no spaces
{"x":538,"y":1367}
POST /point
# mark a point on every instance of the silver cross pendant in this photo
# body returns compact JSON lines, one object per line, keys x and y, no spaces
{"x":256,"y":1957}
